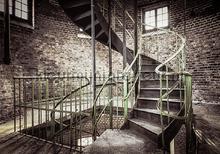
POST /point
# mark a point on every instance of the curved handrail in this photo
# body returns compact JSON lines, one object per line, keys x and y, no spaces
{"x":157,"y":70}
{"x":125,"y":72}
{"x":71,"y":93}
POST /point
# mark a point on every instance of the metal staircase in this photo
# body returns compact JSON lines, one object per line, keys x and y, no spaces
{"x":164,"y":95}
{"x":80,"y":13}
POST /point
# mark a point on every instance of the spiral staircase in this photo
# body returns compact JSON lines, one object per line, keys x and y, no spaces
{"x":163,"y":102}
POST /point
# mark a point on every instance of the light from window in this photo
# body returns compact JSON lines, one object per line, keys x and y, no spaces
{"x":20,"y":9}
{"x":2,"y":7}
{"x":150,"y":19}
{"x":156,"y":18}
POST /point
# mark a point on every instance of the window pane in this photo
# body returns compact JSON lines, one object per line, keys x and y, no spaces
{"x":162,"y":17}
{"x":24,"y":15}
{"x":159,"y":11}
{"x":160,"y":24}
{"x":149,"y":19}
{"x":18,"y":13}
{"x":24,"y":8}
{"x":165,"y":23}
{"x":159,"y":17}
{"x":165,"y":9}
{"x":24,"y":2}
{"x":2,"y":6}
{"x":18,"y":5}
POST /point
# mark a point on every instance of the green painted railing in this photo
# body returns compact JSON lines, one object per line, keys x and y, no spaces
{"x":174,"y":67}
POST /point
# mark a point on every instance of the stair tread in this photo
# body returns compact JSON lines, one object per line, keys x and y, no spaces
{"x":90,"y":25}
{"x":83,"y":15}
{"x":155,"y":128}
{"x":147,"y":71}
{"x":155,"y":99}
{"x":72,"y":4}
{"x":144,"y":64}
{"x":100,"y":33}
{"x":155,"y":111}
{"x":159,"y":88}
{"x":156,"y":80}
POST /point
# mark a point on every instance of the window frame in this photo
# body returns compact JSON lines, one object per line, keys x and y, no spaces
{"x":156,"y":21}
{"x":28,"y":23}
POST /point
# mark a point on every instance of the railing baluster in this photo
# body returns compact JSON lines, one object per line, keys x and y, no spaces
{"x":15,"y":105}
{"x":161,"y":111}
{"x":61,"y":111}
{"x":19,"y":96}
{"x":32,"y":104}
{"x":53,"y":115}
{"x":188,"y":113}
{"x":71,"y":116}
{"x":125,"y":102}
{"x":167,"y":89}
{"x":47,"y":107}
{"x":24,"y":103}
{"x":39,"y":101}
{"x":80,"y":115}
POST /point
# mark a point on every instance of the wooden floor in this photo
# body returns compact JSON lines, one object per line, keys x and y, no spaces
{"x":17,"y":143}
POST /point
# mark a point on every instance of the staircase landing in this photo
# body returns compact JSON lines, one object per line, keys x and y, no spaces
{"x":122,"y":141}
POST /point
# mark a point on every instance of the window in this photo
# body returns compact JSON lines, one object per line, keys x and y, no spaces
{"x":18,"y":8}
{"x":157,"y":18}
{"x":21,"y":9}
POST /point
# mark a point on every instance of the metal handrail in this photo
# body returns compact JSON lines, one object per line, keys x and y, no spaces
{"x":118,"y":19}
{"x":125,"y":72}
{"x":65,"y":97}
{"x":187,"y":93}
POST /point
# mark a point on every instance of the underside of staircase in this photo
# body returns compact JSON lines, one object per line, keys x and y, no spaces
{"x":144,"y":122}
{"x":80,"y":13}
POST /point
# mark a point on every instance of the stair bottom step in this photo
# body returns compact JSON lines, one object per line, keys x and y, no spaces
{"x":149,"y":129}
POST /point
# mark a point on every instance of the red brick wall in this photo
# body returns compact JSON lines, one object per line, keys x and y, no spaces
{"x":203,"y":35}
{"x":52,"y":47}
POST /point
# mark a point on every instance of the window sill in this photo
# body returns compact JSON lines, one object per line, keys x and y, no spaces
{"x":152,"y":33}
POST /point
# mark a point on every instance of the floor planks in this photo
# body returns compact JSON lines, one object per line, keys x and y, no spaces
{"x":17,"y":143}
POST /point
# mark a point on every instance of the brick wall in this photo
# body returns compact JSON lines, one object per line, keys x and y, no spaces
{"x":52,"y":47}
{"x":203,"y":45}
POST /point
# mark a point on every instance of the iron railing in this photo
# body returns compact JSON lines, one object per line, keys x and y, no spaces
{"x":58,"y":109}
{"x":171,"y":44}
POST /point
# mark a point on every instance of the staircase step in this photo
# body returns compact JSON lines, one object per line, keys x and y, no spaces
{"x":67,"y":4}
{"x":90,"y":25}
{"x":148,"y":60}
{"x":100,"y":33}
{"x":155,"y":92}
{"x":83,"y":15}
{"x":152,"y":75}
{"x":150,"y":129}
{"x":152,"y":115}
{"x":152,"y":67}
{"x":154,"y":83}
{"x":152,"y":104}
{"x":156,"y":99}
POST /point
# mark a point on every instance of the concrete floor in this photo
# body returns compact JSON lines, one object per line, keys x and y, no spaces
{"x":207,"y":125}
{"x":207,"y":118}
{"x":122,"y":142}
